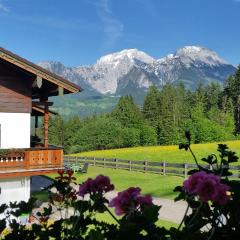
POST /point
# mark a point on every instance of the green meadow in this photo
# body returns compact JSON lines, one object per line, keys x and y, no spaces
{"x":154,"y":184}
{"x":163,"y":153}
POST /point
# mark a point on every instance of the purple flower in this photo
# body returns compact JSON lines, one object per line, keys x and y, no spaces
{"x":145,"y":200}
{"x":222,"y":197}
{"x":101,"y":184}
{"x":130,"y":200}
{"x":191,"y":184}
{"x":86,"y":187}
{"x":207,"y":190}
{"x":207,"y":187}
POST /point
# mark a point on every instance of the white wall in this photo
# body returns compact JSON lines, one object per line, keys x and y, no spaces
{"x":15,"y":130}
{"x":14,"y":189}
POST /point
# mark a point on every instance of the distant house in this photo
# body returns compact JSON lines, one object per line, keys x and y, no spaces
{"x":24,"y":92}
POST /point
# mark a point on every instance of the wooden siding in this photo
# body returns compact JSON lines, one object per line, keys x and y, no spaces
{"x":15,"y":89}
{"x":35,"y":162}
{"x":13,"y":97}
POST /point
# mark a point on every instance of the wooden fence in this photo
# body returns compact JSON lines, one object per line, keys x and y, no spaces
{"x":164,"y":168}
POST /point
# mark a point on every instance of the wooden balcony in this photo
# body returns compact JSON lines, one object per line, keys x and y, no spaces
{"x":34,"y":161}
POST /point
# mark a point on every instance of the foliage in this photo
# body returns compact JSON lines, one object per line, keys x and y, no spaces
{"x":213,"y":199}
{"x":232,"y":92}
{"x":208,"y":112}
{"x":212,"y":196}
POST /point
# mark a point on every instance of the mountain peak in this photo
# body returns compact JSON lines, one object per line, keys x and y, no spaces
{"x":127,"y":54}
{"x":204,"y":55}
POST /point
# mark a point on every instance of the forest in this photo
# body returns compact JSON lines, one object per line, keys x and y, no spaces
{"x":211,"y":113}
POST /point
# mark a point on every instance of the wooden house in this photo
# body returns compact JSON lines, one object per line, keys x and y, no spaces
{"x":25,"y":89}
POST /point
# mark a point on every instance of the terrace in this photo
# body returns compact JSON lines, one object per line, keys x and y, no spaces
{"x":31,"y":161}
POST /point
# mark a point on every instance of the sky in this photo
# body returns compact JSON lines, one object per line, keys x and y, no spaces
{"x":78,"y":32}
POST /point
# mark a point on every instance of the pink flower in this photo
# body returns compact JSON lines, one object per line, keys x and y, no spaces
{"x":101,"y":184}
{"x":207,"y":187}
{"x":222,"y":196}
{"x":207,"y":190}
{"x":86,"y":187}
{"x":145,"y":200}
{"x":130,"y":200}
{"x":191,"y":184}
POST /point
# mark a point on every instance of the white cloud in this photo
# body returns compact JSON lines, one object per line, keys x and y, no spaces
{"x":3,"y":8}
{"x":112,"y":27}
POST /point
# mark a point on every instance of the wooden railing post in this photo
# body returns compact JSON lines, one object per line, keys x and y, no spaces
{"x":130,"y":165}
{"x":145,"y":166}
{"x":94,"y":161}
{"x":104,"y":162}
{"x":116,"y":165}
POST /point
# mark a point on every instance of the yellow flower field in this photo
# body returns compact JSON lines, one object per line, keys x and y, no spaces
{"x":162,"y":153}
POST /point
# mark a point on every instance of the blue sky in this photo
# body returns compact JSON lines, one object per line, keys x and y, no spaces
{"x":78,"y":32}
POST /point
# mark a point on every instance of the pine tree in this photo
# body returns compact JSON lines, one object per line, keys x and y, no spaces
{"x":127,"y":113}
{"x":232,"y":90}
{"x":151,"y":106}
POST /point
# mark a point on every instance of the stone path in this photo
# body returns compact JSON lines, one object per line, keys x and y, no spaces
{"x":170,"y":210}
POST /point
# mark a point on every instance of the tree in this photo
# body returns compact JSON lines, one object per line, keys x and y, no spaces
{"x":98,"y":134}
{"x":232,"y":90}
{"x":127,"y":113}
{"x":151,"y":106}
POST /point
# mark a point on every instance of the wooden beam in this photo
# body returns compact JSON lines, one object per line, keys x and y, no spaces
{"x":42,"y":103}
{"x":60,"y":91}
{"x":46,"y":122}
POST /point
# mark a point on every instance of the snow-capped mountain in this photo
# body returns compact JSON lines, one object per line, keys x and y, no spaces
{"x":132,"y":71}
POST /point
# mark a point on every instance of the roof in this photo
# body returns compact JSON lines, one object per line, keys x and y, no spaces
{"x":28,"y":66}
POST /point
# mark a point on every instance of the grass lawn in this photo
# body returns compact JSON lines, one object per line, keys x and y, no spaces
{"x":154,"y":184}
{"x":105,"y":217}
{"x":162,"y":153}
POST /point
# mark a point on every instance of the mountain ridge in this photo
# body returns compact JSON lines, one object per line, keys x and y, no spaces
{"x":132,"y":71}
{"x":106,"y":74}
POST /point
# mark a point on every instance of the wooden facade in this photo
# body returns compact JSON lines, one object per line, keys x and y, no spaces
{"x":20,"y":82}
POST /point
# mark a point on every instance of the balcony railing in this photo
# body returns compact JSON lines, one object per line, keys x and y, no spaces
{"x":32,"y":161}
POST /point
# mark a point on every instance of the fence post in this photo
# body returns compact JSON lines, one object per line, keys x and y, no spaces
{"x":185,"y":170}
{"x":104,"y":162}
{"x":164,"y":168}
{"x":130,"y":165}
{"x":76,"y":160}
{"x":94,"y":161}
{"x":116,"y":165}
{"x":145,"y":166}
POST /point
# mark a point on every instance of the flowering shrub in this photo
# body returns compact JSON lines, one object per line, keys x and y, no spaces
{"x":211,"y":196}
{"x":129,"y":201}
{"x":100,"y":185}
{"x":208,"y":187}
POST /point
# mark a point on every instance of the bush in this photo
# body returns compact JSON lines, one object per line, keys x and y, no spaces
{"x":148,"y":136}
